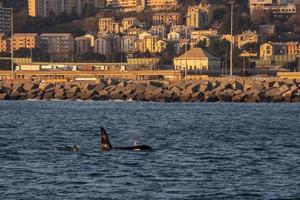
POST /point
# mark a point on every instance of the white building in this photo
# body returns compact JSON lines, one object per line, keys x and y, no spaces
{"x":128,"y":44}
{"x":173,"y":36}
{"x":197,"y":59}
{"x":160,"y":31}
{"x":103,"y":46}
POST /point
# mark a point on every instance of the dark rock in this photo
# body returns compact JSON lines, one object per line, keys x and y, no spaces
{"x":72,"y":93}
{"x":193,"y":88}
{"x":261,"y":97}
{"x":156,"y":83}
{"x":18,"y":88}
{"x":212,"y":98}
{"x":48,"y":95}
{"x":175,"y":89}
{"x":197,"y":97}
{"x":250,"y":98}
{"x":3,"y":96}
{"x":7,"y":85}
{"x":296,"y":99}
{"x":90,"y":86}
{"x":30,"y":86}
{"x":112,"y":82}
{"x":183,"y":85}
{"x":237,"y":98}
{"x":60,"y":94}
{"x":237,"y":85}
{"x":287,"y":98}
{"x":277,"y":98}
{"x":31,"y":95}
{"x":225,"y":98}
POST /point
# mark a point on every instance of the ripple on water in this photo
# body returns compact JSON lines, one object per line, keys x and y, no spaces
{"x":201,"y":151}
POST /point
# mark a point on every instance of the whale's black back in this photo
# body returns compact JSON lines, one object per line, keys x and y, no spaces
{"x":105,"y":144}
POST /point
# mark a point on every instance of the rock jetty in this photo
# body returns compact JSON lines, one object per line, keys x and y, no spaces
{"x":212,"y":90}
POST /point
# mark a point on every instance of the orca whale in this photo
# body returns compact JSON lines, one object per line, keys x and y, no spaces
{"x":105,"y":144}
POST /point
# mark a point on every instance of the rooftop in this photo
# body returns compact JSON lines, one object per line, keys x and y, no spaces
{"x":197,"y":53}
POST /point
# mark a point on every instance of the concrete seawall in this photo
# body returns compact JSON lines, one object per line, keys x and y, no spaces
{"x":210,"y":90}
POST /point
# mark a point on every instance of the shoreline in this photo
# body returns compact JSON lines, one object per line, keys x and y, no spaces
{"x":210,"y":90}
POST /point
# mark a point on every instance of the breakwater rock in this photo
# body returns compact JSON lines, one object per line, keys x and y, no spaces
{"x":212,"y":90}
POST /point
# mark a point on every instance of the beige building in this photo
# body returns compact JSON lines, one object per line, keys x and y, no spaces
{"x":168,"y":19}
{"x":258,"y":4}
{"x":197,"y":59}
{"x":92,"y":38}
{"x":247,"y":38}
{"x":108,"y":25}
{"x":271,"y":49}
{"x":148,"y":44}
{"x":58,"y":45}
{"x":160,"y":46}
{"x":162,"y":4}
{"x":159,"y":30}
{"x":126,"y":5}
{"x":134,"y":31}
{"x":195,"y":34}
{"x":4,"y":43}
{"x":293,"y":48}
{"x":25,"y":40}
{"x":5,"y":18}
{"x":128,"y":44}
{"x":129,"y":22}
{"x":200,"y":16}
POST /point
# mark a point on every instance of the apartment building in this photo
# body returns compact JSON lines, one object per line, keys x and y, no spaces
{"x":162,"y":4}
{"x":271,"y":49}
{"x":129,"y":22}
{"x":43,"y":8}
{"x":126,"y":5}
{"x":109,"y":25}
{"x":293,"y":48}
{"x":82,"y":45}
{"x":103,"y":46}
{"x":58,"y":45}
{"x":160,"y":46}
{"x":167,"y":19}
{"x":4,"y":43}
{"x":25,"y":40}
{"x":248,"y":37}
{"x":198,"y":33}
{"x":259,"y":4}
{"x":97,"y":3}
{"x":159,"y":30}
{"x":199,"y":17}
{"x":128,"y":44}
{"x":5,"y":19}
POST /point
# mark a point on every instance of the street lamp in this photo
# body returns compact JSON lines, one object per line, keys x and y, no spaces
{"x":186,"y":40}
{"x":11,"y":41}
{"x":231,"y":37}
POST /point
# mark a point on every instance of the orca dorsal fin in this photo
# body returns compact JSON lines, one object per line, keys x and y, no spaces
{"x":105,"y":144}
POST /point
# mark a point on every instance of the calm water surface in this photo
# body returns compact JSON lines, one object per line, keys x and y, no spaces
{"x":202,"y":151}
